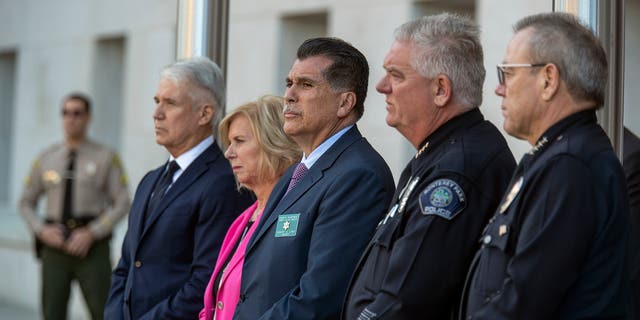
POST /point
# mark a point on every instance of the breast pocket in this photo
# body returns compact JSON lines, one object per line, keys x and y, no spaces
{"x":377,"y":265}
{"x":88,"y":182}
{"x":492,"y":265}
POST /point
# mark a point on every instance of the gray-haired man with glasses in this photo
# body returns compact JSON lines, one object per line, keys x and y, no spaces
{"x":504,"y":67}
{"x":555,"y":248}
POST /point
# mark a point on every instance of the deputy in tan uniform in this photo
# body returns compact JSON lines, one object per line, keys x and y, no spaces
{"x":72,"y":239}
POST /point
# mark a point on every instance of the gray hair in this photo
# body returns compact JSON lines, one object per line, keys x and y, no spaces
{"x":447,"y":44}
{"x":561,"y":39}
{"x":204,"y":74}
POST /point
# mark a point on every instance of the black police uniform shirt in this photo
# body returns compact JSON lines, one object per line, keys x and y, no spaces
{"x":631,"y":167}
{"x":414,"y":266}
{"x":555,"y":248}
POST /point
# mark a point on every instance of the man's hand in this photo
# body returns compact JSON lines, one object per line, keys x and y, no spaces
{"x":79,"y":242}
{"x":52,"y":236}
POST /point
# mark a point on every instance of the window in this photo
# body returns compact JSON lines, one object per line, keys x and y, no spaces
{"x":7,"y":88}
{"x":108,"y":86}
{"x":295,"y":30}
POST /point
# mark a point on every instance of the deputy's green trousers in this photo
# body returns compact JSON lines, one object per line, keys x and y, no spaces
{"x":92,"y":272}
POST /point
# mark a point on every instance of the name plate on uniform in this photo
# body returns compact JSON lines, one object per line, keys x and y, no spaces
{"x":287,"y":225}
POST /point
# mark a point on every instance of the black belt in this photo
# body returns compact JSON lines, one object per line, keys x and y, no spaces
{"x":72,"y":223}
{"x":68,"y":226}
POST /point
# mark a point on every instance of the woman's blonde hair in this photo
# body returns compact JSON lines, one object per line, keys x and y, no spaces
{"x":277,"y":151}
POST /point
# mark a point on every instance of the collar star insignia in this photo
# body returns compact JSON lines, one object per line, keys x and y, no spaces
{"x":423,"y":149}
{"x":538,"y":145}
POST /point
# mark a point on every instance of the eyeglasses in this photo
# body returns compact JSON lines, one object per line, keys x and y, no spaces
{"x":503,"y":66}
{"x":74,"y":113}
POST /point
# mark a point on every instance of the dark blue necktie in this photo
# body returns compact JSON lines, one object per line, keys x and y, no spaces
{"x":161,"y":187}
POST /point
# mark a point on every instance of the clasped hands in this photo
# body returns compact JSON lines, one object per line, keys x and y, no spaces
{"x":78,"y":243}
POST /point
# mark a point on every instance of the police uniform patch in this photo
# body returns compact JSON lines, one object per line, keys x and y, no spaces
{"x":444,"y":198}
{"x":118,"y":164}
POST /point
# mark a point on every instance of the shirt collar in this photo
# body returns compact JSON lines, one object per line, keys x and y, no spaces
{"x":556,"y":130}
{"x":445,"y":131}
{"x":82,"y":145}
{"x":185,"y":159}
{"x":310,"y":159}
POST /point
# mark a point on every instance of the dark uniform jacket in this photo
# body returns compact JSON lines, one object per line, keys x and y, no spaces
{"x":631,"y":165}
{"x":555,"y":248}
{"x":415,"y":265}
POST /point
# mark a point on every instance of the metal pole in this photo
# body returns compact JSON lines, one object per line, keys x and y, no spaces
{"x":218,"y":33}
{"x":202,"y":30}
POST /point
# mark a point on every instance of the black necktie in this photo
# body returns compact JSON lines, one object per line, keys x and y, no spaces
{"x":67,"y":204}
{"x":161,"y":187}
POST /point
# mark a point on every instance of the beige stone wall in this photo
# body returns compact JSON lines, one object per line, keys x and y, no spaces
{"x":55,"y":44}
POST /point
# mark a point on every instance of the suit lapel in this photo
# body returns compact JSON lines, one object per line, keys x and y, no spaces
{"x":198,"y":167}
{"x":146,"y":187}
{"x":278,"y":202}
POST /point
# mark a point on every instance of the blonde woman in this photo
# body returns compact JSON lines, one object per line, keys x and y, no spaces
{"x":259,"y":153}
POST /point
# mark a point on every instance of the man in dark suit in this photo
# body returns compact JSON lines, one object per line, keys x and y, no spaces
{"x":322,"y":212}
{"x":180,"y":211}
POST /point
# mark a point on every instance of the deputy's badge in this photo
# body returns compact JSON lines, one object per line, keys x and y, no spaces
{"x":91,"y":169}
{"x":511,"y":195}
{"x":287,"y":225}
{"x":406,"y":192}
{"x":51,"y":176}
{"x":444,"y":198}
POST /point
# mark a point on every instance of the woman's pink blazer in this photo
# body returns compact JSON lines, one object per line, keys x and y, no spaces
{"x":228,"y":283}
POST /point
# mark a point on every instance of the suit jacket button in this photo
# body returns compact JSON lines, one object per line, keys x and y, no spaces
{"x":138,"y":264}
{"x":220,"y":305}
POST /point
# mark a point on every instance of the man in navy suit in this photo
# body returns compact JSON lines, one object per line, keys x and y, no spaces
{"x":315,"y":226}
{"x":180,"y":211}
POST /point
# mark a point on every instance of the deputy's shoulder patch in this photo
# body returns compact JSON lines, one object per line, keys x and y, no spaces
{"x":444,"y":198}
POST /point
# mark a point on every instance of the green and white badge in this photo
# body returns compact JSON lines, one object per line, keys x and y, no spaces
{"x":287,"y":225}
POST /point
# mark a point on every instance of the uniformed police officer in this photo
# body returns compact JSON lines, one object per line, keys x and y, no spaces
{"x":86,"y":191}
{"x":555,"y":248}
{"x":415,"y":265}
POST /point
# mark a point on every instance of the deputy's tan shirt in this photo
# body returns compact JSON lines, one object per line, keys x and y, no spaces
{"x":99,"y":189}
